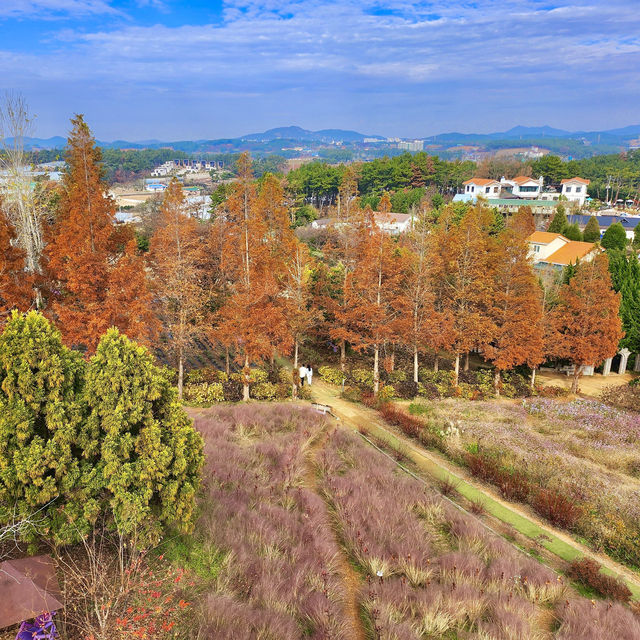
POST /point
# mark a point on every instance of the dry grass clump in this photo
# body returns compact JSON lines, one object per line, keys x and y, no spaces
{"x":280,"y":579}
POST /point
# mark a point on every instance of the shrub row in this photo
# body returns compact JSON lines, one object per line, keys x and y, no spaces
{"x":208,"y":386}
{"x":587,"y":572}
{"x":516,"y":485}
{"x":472,"y":385}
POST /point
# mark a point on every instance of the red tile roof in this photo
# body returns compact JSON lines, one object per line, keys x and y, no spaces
{"x":483,"y":182}
{"x":576,"y":179}
{"x":570,"y":253}
{"x":544,"y":237}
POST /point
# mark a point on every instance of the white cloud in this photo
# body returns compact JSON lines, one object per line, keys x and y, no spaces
{"x":54,"y":8}
{"x":339,"y":54}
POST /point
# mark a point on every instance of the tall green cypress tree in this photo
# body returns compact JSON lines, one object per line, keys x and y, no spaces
{"x":615,"y":237}
{"x":572,"y":232}
{"x":42,"y":471}
{"x":592,"y":230}
{"x":149,"y":455}
{"x":625,"y":277}
{"x":559,"y":222}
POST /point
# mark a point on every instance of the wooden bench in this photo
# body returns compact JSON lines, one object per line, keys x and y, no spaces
{"x":321,"y":408}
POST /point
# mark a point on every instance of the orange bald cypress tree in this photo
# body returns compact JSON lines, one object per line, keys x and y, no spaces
{"x":128,"y":304}
{"x":384,"y":206}
{"x":516,"y":308}
{"x":420,"y":323}
{"x":15,"y":284}
{"x":523,"y":222}
{"x":371,"y":293}
{"x":341,"y":258}
{"x":463,"y":272}
{"x":256,"y":238}
{"x":301,"y":312}
{"x":585,"y":327}
{"x":348,"y":193}
{"x":84,"y":249}
{"x":177,"y":263}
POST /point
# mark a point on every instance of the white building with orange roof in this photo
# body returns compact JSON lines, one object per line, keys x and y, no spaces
{"x":523,"y":186}
{"x":484,"y":187}
{"x":575,"y":189}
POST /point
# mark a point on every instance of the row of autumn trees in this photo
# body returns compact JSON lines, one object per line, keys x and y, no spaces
{"x":461,"y":285}
{"x":458,"y":283}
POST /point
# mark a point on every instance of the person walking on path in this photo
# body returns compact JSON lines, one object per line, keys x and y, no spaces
{"x":309,"y":375}
{"x":303,"y":374}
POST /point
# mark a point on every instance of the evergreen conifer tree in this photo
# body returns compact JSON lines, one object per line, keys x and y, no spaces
{"x":615,"y":237}
{"x":591,"y":232}
{"x":559,"y":222}
{"x":148,"y":454}
{"x":41,"y":468}
{"x":572,"y":232}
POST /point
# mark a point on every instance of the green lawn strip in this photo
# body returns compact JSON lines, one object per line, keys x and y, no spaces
{"x":542,"y":537}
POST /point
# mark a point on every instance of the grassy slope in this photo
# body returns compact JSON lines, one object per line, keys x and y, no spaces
{"x":543,"y":536}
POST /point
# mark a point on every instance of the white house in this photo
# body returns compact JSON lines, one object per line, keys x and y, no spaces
{"x":482,"y":187}
{"x":393,"y":222}
{"x":523,"y":187}
{"x":575,"y":189}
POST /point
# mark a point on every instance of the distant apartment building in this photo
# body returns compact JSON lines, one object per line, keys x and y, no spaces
{"x":411,"y":145}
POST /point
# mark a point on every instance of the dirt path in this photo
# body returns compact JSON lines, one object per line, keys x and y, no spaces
{"x":591,"y":386}
{"x":350,"y":579}
{"x":523,"y":520}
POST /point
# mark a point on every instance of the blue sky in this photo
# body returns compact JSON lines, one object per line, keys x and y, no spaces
{"x":172,"y":69}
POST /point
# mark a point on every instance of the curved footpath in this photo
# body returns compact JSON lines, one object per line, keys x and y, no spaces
{"x":557,"y":542}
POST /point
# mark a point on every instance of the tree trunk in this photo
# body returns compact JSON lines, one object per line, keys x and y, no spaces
{"x":466,"y":361}
{"x":245,"y":379}
{"x":376,"y":369}
{"x":227,"y":365}
{"x":496,"y":381}
{"x":393,"y":356}
{"x":456,"y":371}
{"x":180,"y":374}
{"x":576,"y":377}
{"x":294,"y":386}
{"x":343,"y":355}
{"x":415,"y":363}
{"x":533,"y":378}
{"x":436,"y":362}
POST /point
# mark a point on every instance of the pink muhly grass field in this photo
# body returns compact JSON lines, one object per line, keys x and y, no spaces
{"x":279,"y":579}
{"x":442,"y":572}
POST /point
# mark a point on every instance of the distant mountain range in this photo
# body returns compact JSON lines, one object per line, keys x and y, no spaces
{"x":287,"y":138}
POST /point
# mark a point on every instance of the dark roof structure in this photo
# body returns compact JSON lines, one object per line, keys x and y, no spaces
{"x":28,"y":587}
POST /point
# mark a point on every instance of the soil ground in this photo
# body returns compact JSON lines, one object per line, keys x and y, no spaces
{"x":589,"y":385}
